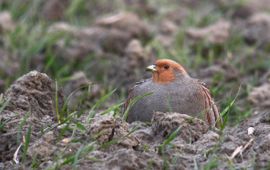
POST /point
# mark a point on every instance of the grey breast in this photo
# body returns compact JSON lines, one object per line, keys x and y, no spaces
{"x":181,"y":96}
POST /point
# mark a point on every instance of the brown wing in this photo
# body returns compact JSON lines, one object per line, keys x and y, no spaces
{"x":212,"y":115}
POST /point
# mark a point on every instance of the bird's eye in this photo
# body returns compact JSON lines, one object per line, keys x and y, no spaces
{"x":166,"y":67}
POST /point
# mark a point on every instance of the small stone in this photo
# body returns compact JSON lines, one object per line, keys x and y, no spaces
{"x":251,"y":130}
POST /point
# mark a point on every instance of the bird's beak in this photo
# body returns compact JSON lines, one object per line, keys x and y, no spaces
{"x":151,"y":68}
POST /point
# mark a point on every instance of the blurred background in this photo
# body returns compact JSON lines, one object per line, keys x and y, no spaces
{"x":103,"y":45}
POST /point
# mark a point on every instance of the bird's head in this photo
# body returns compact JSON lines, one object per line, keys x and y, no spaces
{"x":165,"y":71}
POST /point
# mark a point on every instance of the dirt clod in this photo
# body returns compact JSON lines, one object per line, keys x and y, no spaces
{"x":126,"y":22}
{"x":166,"y":123}
{"x":34,"y":92}
{"x":6,"y":22}
{"x":218,"y":33}
{"x":54,"y":9}
{"x":129,"y":159}
{"x":106,"y":129}
{"x":110,"y":34}
{"x":31,"y":106}
{"x":92,"y":47}
{"x":260,"y":96}
{"x":256,"y":29}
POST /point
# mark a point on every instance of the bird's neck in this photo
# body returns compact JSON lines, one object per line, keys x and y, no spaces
{"x":168,"y":78}
{"x":181,"y":75}
{"x":162,"y":78}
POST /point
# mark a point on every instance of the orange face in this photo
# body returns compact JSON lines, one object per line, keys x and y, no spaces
{"x":164,"y":70}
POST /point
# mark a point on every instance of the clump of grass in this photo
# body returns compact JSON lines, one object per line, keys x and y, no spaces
{"x":212,"y":164}
{"x":73,"y":159}
{"x":75,"y":7}
{"x":115,"y":109}
{"x":80,"y":153}
{"x":21,"y":125}
{"x":28,"y":41}
{"x":167,"y":141}
{"x":162,"y":147}
{"x":92,"y":113}
{"x":23,"y":140}
{"x":224,"y":113}
{"x":3,"y":105}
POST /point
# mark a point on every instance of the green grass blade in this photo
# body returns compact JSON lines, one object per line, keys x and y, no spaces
{"x":66,"y":103}
{"x":113,"y":107}
{"x":132,"y":102}
{"x":74,"y":159}
{"x":26,"y":143}
{"x":20,"y":128}
{"x":223,"y":114}
{"x":4,"y":105}
{"x":92,"y":113}
{"x":168,"y":140}
{"x":59,"y":117}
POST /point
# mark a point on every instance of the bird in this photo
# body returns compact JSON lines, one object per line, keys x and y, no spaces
{"x":170,"y":89}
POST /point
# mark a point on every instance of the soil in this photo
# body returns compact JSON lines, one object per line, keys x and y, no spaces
{"x":48,"y":124}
